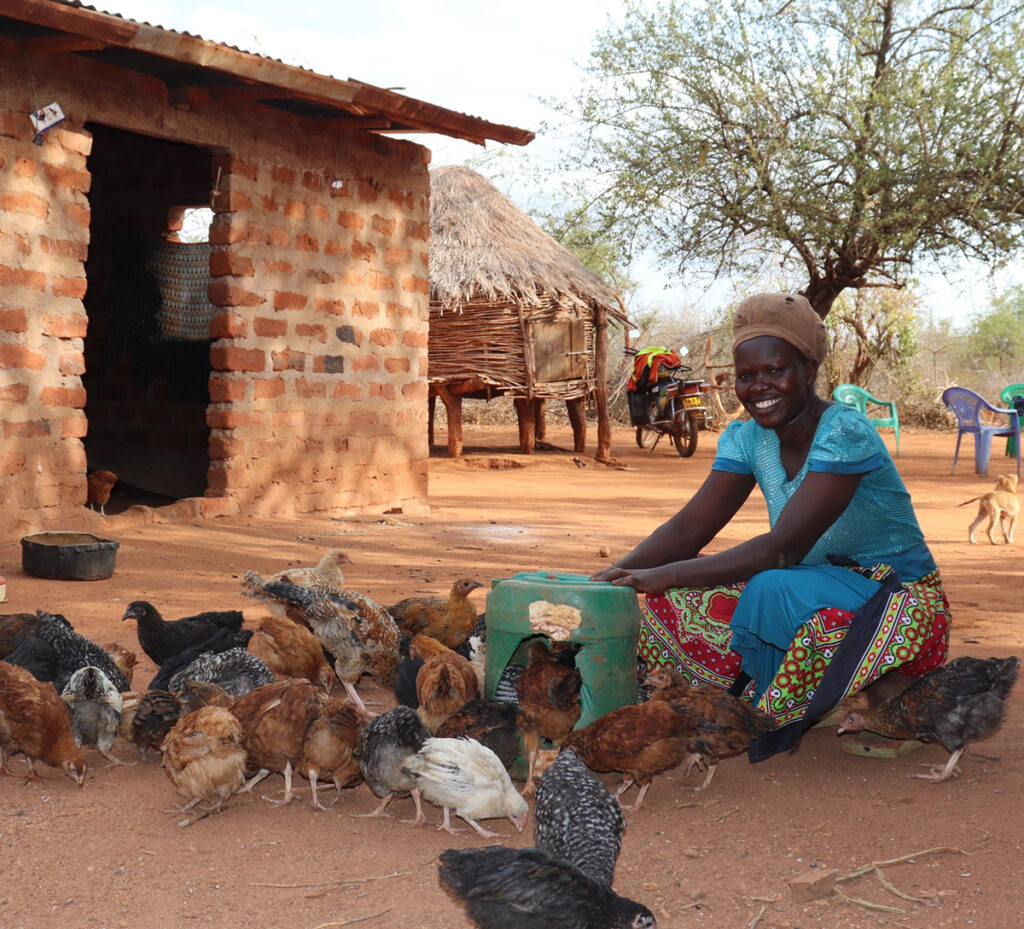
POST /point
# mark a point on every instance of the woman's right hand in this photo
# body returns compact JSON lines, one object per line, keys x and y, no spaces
{"x":643,"y":580}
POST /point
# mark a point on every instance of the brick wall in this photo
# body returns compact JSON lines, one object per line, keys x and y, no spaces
{"x":320,"y":242}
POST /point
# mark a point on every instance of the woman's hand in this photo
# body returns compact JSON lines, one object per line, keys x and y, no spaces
{"x":643,"y":580}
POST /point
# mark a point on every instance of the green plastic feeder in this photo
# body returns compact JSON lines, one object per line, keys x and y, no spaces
{"x":608,"y":634}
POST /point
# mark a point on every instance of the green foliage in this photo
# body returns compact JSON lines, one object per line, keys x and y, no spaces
{"x":840,"y":138}
{"x":995,"y":339}
{"x":599,"y":252}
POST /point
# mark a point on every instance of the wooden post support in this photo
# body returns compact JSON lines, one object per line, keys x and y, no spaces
{"x":540,"y":418}
{"x":453,"y":407}
{"x":576,"y":407}
{"x":604,"y":428}
{"x":431,"y":408}
{"x":527,"y":416}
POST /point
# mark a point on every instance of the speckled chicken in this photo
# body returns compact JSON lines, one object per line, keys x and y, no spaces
{"x":291,"y":650}
{"x":451,"y":620}
{"x":327,"y":575}
{"x":236,"y":670}
{"x":445,"y":682}
{"x":577,"y":820}
{"x":35,"y":721}
{"x":221,"y":641}
{"x":524,"y":888}
{"x":204,"y":758}
{"x":162,"y":639}
{"x":493,"y":723}
{"x":75,"y":651}
{"x":549,"y":697}
{"x":155,"y":714}
{"x":953,"y":705}
{"x":95,"y":710}
{"x":384,"y":744}
{"x":463,"y":776}
{"x":722,"y":725}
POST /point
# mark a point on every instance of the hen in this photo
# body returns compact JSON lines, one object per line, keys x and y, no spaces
{"x":95,"y":710}
{"x":153,"y":717}
{"x":75,"y":651}
{"x":953,"y":705}
{"x":98,"y":487}
{"x":464,"y":776}
{"x":577,"y":820}
{"x":11,"y":627}
{"x":195,"y":694}
{"x":445,"y":683}
{"x":451,"y":620}
{"x":641,"y":741}
{"x":549,"y":697}
{"x":721,"y":725}
{"x":235,"y":670}
{"x":330,"y":746}
{"x":204,"y":758}
{"x":291,"y":650}
{"x":491,"y":722}
{"x":384,"y":745}
{"x":162,"y":639}
{"x":124,"y":658}
{"x":524,"y":888}
{"x":221,"y":641}
{"x":327,"y":575}
{"x":34,"y":720}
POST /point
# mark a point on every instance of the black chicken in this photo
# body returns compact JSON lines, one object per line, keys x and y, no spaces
{"x":524,"y":888}
{"x":577,"y":819}
{"x":236,"y":670}
{"x":955,"y":704}
{"x":162,"y":639}
{"x":384,"y":744}
{"x":492,"y":723}
{"x":75,"y":651}
{"x":223,"y":639}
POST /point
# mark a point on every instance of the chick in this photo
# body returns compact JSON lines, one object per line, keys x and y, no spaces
{"x":384,"y":745}
{"x":204,"y":759}
{"x":465,"y":776}
{"x":451,"y":620}
{"x":95,"y":710}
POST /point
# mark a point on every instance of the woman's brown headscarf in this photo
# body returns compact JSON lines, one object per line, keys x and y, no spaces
{"x":786,"y":316}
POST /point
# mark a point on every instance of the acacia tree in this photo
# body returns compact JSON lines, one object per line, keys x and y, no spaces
{"x":844,"y":138}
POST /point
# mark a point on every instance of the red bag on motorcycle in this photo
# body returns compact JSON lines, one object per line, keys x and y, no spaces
{"x":648,"y":366}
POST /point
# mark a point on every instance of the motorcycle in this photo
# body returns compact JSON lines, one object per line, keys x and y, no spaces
{"x":664,"y":402}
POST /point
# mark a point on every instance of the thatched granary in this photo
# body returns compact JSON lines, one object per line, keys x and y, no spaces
{"x":512,"y":312}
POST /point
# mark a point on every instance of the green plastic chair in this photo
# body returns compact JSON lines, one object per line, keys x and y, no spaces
{"x":1013,"y":395}
{"x":859,"y":398}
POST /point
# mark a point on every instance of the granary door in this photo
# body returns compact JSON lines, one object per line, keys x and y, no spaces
{"x":560,"y":350}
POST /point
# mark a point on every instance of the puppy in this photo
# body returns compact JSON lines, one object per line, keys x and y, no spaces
{"x":1000,"y":505}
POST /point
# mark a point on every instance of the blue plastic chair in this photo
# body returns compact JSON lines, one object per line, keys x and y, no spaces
{"x":967,"y":406}
{"x":859,"y":398}
{"x":1013,"y":395}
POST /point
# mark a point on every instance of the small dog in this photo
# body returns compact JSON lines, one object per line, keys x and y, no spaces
{"x":1000,"y":505}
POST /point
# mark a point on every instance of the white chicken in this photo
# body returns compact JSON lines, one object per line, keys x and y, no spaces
{"x":467,"y":777}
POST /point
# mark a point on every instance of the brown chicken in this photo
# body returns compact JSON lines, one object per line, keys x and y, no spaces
{"x":549,"y":697}
{"x":34,"y":720}
{"x":195,"y":694}
{"x":721,"y":725}
{"x":952,"y":705}
{"x":329,"y":747}
{"x":450,"y":619}
{"x":640,"y":741}
{"x":291,"y":650}
{"x":154,"y":715}
{"x":98,"y":487}
{"x":204,"y":759}
{"x":124,"y":658}
{"x":444,"y":684}
{"x":274,"y":720}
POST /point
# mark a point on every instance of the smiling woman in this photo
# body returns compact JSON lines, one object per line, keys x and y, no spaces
{"x":843,"y":572}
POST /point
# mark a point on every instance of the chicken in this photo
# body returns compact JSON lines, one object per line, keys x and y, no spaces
{"x":406,"y":671}
{"x":326,"y":575}
{"x":465,"y":776}
{"x":204,"y":758}
{"x":451,"y":620}
{"x":491,"y":722}
{"x":34,"y":720}
{"x":221,"y":641}
{"x":330,"y":745}
{"x":11,"y":627}
{"x":722,"y":725}
{"x":384,"y":744}
{"x":195,"y":694}
{"x":953,"y":705}
{"x":577,"y":820}
{"x":98,"y":487}
{"x":291,"y":650}
{"x":36,"y":656}
{"x":235,"y":670}
{"x":549,"y":697}
{"x":95,"y":710}
{"x":154,"y":716}
{"x":524,"y":888}
{"x":641,"y":741}
{"x":124,"y":658}
{"x":358,"y":632}
{"x":75,"y":651}
{"x":162,"y":639}
{"x":274,"y":720}
{"x":445,"y":683}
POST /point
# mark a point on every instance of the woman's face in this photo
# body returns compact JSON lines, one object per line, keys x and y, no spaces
{"x":774,"y":382}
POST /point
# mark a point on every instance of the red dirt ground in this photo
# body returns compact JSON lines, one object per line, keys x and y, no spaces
{"x":109,"y":855}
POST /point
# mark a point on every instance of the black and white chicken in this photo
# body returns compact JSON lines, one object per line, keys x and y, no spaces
{"x":75,"y":651}
{"x":385,"y":743}
{"x":95,"y":710}
{"x":235,"y":670}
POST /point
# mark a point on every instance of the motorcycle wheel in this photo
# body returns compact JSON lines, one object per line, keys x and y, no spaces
{"x":646,"y":436}
{"x":684,"y":436}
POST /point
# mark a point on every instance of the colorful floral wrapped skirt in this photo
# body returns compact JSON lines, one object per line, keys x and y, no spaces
{"x":689,"y":627}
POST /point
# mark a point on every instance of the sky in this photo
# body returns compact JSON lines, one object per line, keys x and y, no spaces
{"x":489,"y":58}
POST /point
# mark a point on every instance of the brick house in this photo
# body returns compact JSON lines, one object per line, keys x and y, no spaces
{"x":279,"y":369}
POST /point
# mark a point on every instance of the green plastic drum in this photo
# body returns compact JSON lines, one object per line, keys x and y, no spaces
{"x":607,"y":634}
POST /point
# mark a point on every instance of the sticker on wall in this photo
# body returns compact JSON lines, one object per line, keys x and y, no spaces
{"x":45,"y":118}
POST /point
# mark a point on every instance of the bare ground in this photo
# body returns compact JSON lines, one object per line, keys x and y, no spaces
{"x":109,"y":855}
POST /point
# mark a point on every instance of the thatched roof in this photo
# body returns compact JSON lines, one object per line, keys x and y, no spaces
{"x":484,"y":248}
